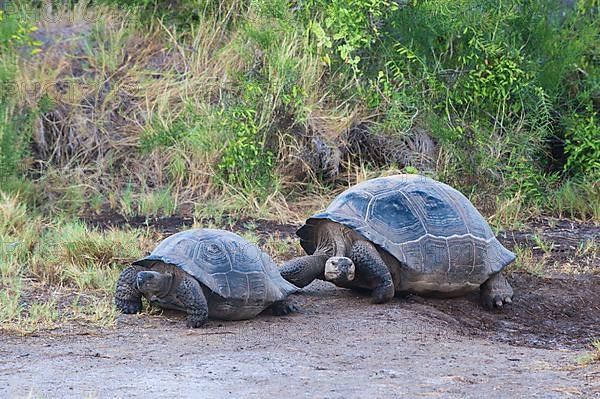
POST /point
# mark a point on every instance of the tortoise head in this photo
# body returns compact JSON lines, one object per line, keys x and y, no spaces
{"x":339,"y":269}
{"x":152,"y":282}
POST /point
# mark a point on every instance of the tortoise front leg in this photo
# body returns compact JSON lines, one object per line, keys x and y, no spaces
{"x":303,"y":270}
{"x":189,"y":293}
{"x":372,"y":269}
{"x":128,"y":298}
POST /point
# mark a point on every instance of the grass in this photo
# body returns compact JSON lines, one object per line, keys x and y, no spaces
{"x":542,"y":258}
{"x":278,"y":246}
{"x":584,"y":260}
{"x":157,"y":203}
{"x":527,"y":262}
{"x":157,"y":114}
{"x":57,"y":271}
{"x":542,"y":245}
{"x":168,"y":101}
{"x":282,"y":248}
{"x":593,"y":356}
{"x":510,"y":213}
{"x":589,"y":248}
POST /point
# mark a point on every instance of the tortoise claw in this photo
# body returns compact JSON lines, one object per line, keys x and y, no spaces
{"x":129,"y":307}
{"x":496,"y":292}
{"x":283,"y":308}
{"x":496,"y":302}
{"x":195,"y":321}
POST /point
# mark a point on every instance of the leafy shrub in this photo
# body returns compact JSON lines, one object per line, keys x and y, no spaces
{"x":348,"y":27}
{"x":15,"y":33}
{"x":492,"y":83}
{"x":245,"y":162}
{"x":583,"y":146}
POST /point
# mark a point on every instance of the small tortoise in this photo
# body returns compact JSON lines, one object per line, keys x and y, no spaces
{"x":205,"y":272}
{"x":400,"y":234}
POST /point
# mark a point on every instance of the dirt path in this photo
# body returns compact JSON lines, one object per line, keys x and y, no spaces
{"x":340,"y":347}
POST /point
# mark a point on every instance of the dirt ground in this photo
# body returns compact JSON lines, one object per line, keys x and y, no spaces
{"x":340,"y":346}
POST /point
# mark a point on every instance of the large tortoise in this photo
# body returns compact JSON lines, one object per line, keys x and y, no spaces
{"x":206,"y":273}
{"x":403,"y":233}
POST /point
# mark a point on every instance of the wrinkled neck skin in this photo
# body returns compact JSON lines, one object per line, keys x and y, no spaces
{"x":334,"y":239}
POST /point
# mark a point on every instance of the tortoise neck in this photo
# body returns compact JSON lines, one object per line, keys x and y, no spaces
{"x":334,"y":240}
{"x":168,"y":285}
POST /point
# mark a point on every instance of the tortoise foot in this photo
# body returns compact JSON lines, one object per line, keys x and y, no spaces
{"x":195,"y":321}
{"x":129,"y":307}
{"x":496,"y":292}
{"x":283,"y":308}
{"x":383,"y":294}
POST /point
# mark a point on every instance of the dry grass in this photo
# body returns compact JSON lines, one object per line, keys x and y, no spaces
{"x":282,"y":248}
{"x":53,"y":272}
{"x":512,"y":213}
{"x":109,"y":82}
{"x":593,"y":356}
{"x":528,"y":262}
{"x":584,"y":260}
{"x":137,"y":111}
{"x":131,"y":107}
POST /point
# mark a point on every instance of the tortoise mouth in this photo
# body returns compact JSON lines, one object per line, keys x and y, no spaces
{"x":150,"y":281}
{"x":339,"y":268}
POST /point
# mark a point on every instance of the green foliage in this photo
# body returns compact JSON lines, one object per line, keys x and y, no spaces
{"x":157,"y":203}
{"x":349,"y":28}
{"x":191,"y":128}
{"x":15,"y":128}
{"x":16,"y":31}
{"x":583,"y":146}
{"x":246,"y":163}
{"x":15,"y":34}
{"x":577,"y":197}
{"x":494,"y":84}
{"x":494,"y":77}
{"x":493,"y":81}
{"x":57,"y":255}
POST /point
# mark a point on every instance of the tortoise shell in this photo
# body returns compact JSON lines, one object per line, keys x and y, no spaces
{"x":229,"y":266}
{"x":426,"y":225}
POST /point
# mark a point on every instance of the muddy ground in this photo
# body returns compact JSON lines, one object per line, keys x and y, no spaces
{"x":341,"y":346}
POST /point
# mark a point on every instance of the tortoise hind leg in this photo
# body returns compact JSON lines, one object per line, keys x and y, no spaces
{"x":372,"y":269}
{"x":284,"y":307}
{"x":496,"y":292}
{"x":128,"y":299}
{"x":303,"y":270}
{"x":189,"y":293}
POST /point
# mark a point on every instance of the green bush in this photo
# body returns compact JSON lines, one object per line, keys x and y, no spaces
{"x":494,"y":82}
{"x":246,"y":163}
{"x":348,"y":27}
{"x":583,"y":146}
{"x":14,"y":122}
